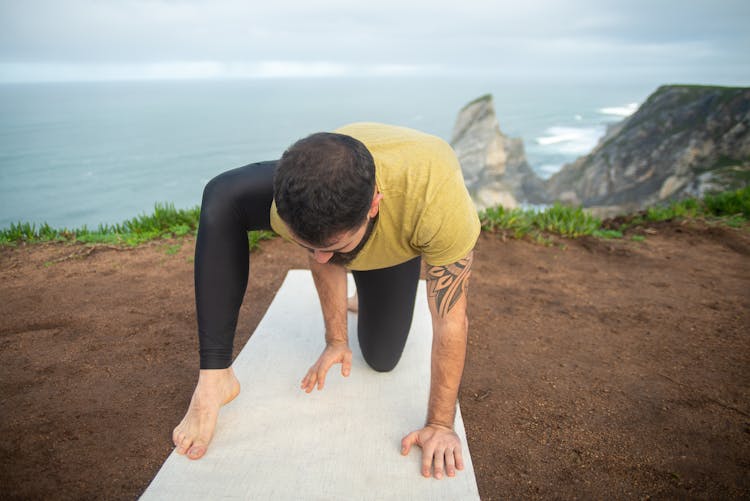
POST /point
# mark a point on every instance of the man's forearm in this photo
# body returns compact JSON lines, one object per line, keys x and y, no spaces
{"x":448,"y":354}
{"x":330,"y":282}
{"x":447,"y":291}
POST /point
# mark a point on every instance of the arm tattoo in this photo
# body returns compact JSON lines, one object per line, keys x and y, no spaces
{"x":448,"y":283}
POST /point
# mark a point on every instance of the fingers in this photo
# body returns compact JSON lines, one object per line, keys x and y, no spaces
{"x":316,"y":375}
{"x":407,"y":442}
{"x":346,"y":365}
{"x":441,"y":452}
{"x":308,"y":382}
{"x":428,"y":451}
{"x":450,"y":464}
{"x":322,"y":371}
{"x":459,"y":458}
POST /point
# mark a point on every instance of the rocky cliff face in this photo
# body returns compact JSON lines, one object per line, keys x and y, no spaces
{"x":494,"y":166}
{"x":683,"y":141}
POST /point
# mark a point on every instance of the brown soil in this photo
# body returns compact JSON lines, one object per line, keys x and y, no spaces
{"x":602,"y":369}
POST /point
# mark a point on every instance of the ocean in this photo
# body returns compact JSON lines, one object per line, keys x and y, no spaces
{"x":74,"y":154}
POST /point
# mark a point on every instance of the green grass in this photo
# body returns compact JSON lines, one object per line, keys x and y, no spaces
{"x":255,"y":237}
{"x":164,"y":222}
{"x":607,"y":233}
{"x":571,"y":222}
{"x":171,"y":250}
{"x":566,"y":221}
{"x":729,"y":203}
{"x":731,"y":208}
{"x":683,"y":208}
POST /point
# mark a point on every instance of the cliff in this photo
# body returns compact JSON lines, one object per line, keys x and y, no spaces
{"x":683,"y":141}
{"x":494,"y":166}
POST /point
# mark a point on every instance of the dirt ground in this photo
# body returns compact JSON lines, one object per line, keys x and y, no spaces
{"x":595,"y":370}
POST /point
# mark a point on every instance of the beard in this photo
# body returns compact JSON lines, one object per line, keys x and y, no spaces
{"x":344,"y":258}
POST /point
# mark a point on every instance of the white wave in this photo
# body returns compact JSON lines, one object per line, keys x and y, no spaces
{"x":571,"y":140}
{"x":558,"y":137}
{"x":620,"y":111}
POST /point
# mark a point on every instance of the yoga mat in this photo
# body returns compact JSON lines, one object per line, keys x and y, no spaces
{"x":276,"y":442}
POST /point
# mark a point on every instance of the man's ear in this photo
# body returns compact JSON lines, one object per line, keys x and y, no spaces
{"x":375,"y":205}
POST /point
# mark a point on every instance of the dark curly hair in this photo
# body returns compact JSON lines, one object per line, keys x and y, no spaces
{"x":324,"y":186}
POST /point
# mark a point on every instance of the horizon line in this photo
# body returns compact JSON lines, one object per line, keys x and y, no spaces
{"x":40,"y":72}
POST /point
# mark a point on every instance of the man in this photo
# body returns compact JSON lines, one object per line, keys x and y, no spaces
{"x":375,"y":199}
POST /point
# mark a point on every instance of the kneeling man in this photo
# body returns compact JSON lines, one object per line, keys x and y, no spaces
{"x":371,"y":198}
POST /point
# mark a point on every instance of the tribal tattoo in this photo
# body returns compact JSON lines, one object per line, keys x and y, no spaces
{"x":448,"y":283}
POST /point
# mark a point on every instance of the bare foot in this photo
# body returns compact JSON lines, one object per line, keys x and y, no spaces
{"x":216,"y":387}
{"x":352,"y":304}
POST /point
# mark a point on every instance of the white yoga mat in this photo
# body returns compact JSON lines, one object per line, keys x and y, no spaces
{"x":276,"y":442}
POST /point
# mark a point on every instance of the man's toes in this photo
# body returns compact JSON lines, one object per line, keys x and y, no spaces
{"x":197,"y":451}
{"x":177,"y":437}
{"x":184,"y":445}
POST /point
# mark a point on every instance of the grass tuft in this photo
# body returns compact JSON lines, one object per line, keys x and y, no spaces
{"x":570,"y":222}
{"x":730,"y":203}
{"x":566,"y":221}
{"x":731,"y":208}
{"x":604,"y":233}
{"x":255,"y":237}
{"x":164,"y":222}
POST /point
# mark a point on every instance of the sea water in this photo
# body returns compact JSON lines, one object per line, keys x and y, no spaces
{"x":74,"y":154}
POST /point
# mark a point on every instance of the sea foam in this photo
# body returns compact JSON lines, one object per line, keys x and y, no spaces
{"x":620,"y":111}
{"x":571,"y":140}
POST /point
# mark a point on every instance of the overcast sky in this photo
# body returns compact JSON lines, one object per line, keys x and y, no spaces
{"x":670,"y":40}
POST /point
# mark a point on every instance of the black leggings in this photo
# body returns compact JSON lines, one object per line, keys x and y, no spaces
{"x":239,"y":201}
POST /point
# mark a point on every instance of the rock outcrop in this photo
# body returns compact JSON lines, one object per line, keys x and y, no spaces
{"x":494,"y":166}
{"x":683,"y":141}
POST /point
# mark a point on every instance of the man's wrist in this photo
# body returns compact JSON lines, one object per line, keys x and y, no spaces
{"x":337,"y":342}
{"x":437,"y":424}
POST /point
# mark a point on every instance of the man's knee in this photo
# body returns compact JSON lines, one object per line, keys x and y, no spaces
{"x":217,"y":199}
{"x":381,"y":365}
{"x":380,"y":356}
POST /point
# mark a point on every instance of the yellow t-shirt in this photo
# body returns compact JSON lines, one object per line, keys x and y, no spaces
{"x":425,"y":210}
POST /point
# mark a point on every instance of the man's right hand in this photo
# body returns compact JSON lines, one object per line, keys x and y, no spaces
{"x":336,"y":353}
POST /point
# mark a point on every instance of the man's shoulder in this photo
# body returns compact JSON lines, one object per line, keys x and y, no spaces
{"x":391,"y":144}
{"x":373,"y":127}
{"x":379,"y":133}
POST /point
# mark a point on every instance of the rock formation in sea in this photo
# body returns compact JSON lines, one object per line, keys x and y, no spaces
{"x":683,"y":141}
{"x":494,"y":165}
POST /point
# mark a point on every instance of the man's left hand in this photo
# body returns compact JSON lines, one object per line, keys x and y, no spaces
{"x":441,"y":450}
